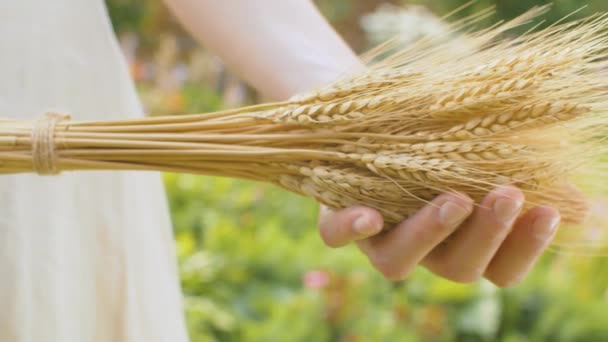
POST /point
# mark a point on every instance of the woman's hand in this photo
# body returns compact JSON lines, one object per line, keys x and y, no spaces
{"x":290,"y":47}
{"x":451,"y":237}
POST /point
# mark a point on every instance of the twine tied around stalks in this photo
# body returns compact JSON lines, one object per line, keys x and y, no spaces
{"x":44,"y":156}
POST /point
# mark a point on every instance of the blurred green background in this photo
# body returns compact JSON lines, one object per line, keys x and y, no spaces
{"x":251,"y":263}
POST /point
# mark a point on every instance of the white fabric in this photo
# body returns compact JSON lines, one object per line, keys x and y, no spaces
{"x":83,"y":256}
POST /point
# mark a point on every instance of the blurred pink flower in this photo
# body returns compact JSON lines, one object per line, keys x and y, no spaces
{"x":315,"y":279}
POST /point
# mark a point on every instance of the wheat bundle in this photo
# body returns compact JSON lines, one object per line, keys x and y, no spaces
{"x":528,"y":111}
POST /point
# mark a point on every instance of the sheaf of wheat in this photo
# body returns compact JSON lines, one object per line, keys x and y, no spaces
{"x":529,"y":111}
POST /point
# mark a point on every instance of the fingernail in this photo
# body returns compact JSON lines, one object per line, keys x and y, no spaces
{"x":363,"y":226}
{"x":506,"y":209}
{"x":544,"y":227}
{"x":452,"y":214}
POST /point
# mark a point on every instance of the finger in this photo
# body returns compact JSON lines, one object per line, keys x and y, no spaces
{"x":338,"y":228}
{"x":465,"y":257}
{"x":530,"y":236}
{"x":397,"y":252}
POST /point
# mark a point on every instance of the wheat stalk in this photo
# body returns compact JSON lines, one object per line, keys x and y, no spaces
{"x":528,"y":111}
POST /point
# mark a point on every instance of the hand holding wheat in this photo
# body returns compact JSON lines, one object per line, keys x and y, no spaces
{"x":425,"y":120}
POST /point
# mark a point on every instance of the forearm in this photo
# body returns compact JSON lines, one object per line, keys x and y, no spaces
{"x":280,"y":47}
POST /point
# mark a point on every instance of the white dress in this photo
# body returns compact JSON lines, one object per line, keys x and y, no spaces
{"x":83,"y":256}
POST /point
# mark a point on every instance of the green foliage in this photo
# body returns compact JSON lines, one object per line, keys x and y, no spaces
{"x":127,"y":15}
{"x":246,"y":248}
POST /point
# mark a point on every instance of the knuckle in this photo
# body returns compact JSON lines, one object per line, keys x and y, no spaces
{"x":462,"y":275}
{"x":389,"y":269}
{"x":494,"y":235}
{"x":394,"y":274}
{"x":430,"y":234}
{"x":323,"y":227}
{"x":333,"y":244}
{"x":328,"y":237}
{"x":505,"y":282}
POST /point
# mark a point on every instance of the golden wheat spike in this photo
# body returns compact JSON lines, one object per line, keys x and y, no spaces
{"x":529,"y":111}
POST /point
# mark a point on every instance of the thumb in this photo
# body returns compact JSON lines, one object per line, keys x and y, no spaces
{"x":340,"y":227}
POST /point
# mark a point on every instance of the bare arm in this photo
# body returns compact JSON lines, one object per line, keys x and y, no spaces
{"x":281,"y":47}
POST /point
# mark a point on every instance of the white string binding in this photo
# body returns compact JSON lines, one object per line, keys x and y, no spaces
{"x":44,"y":156}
